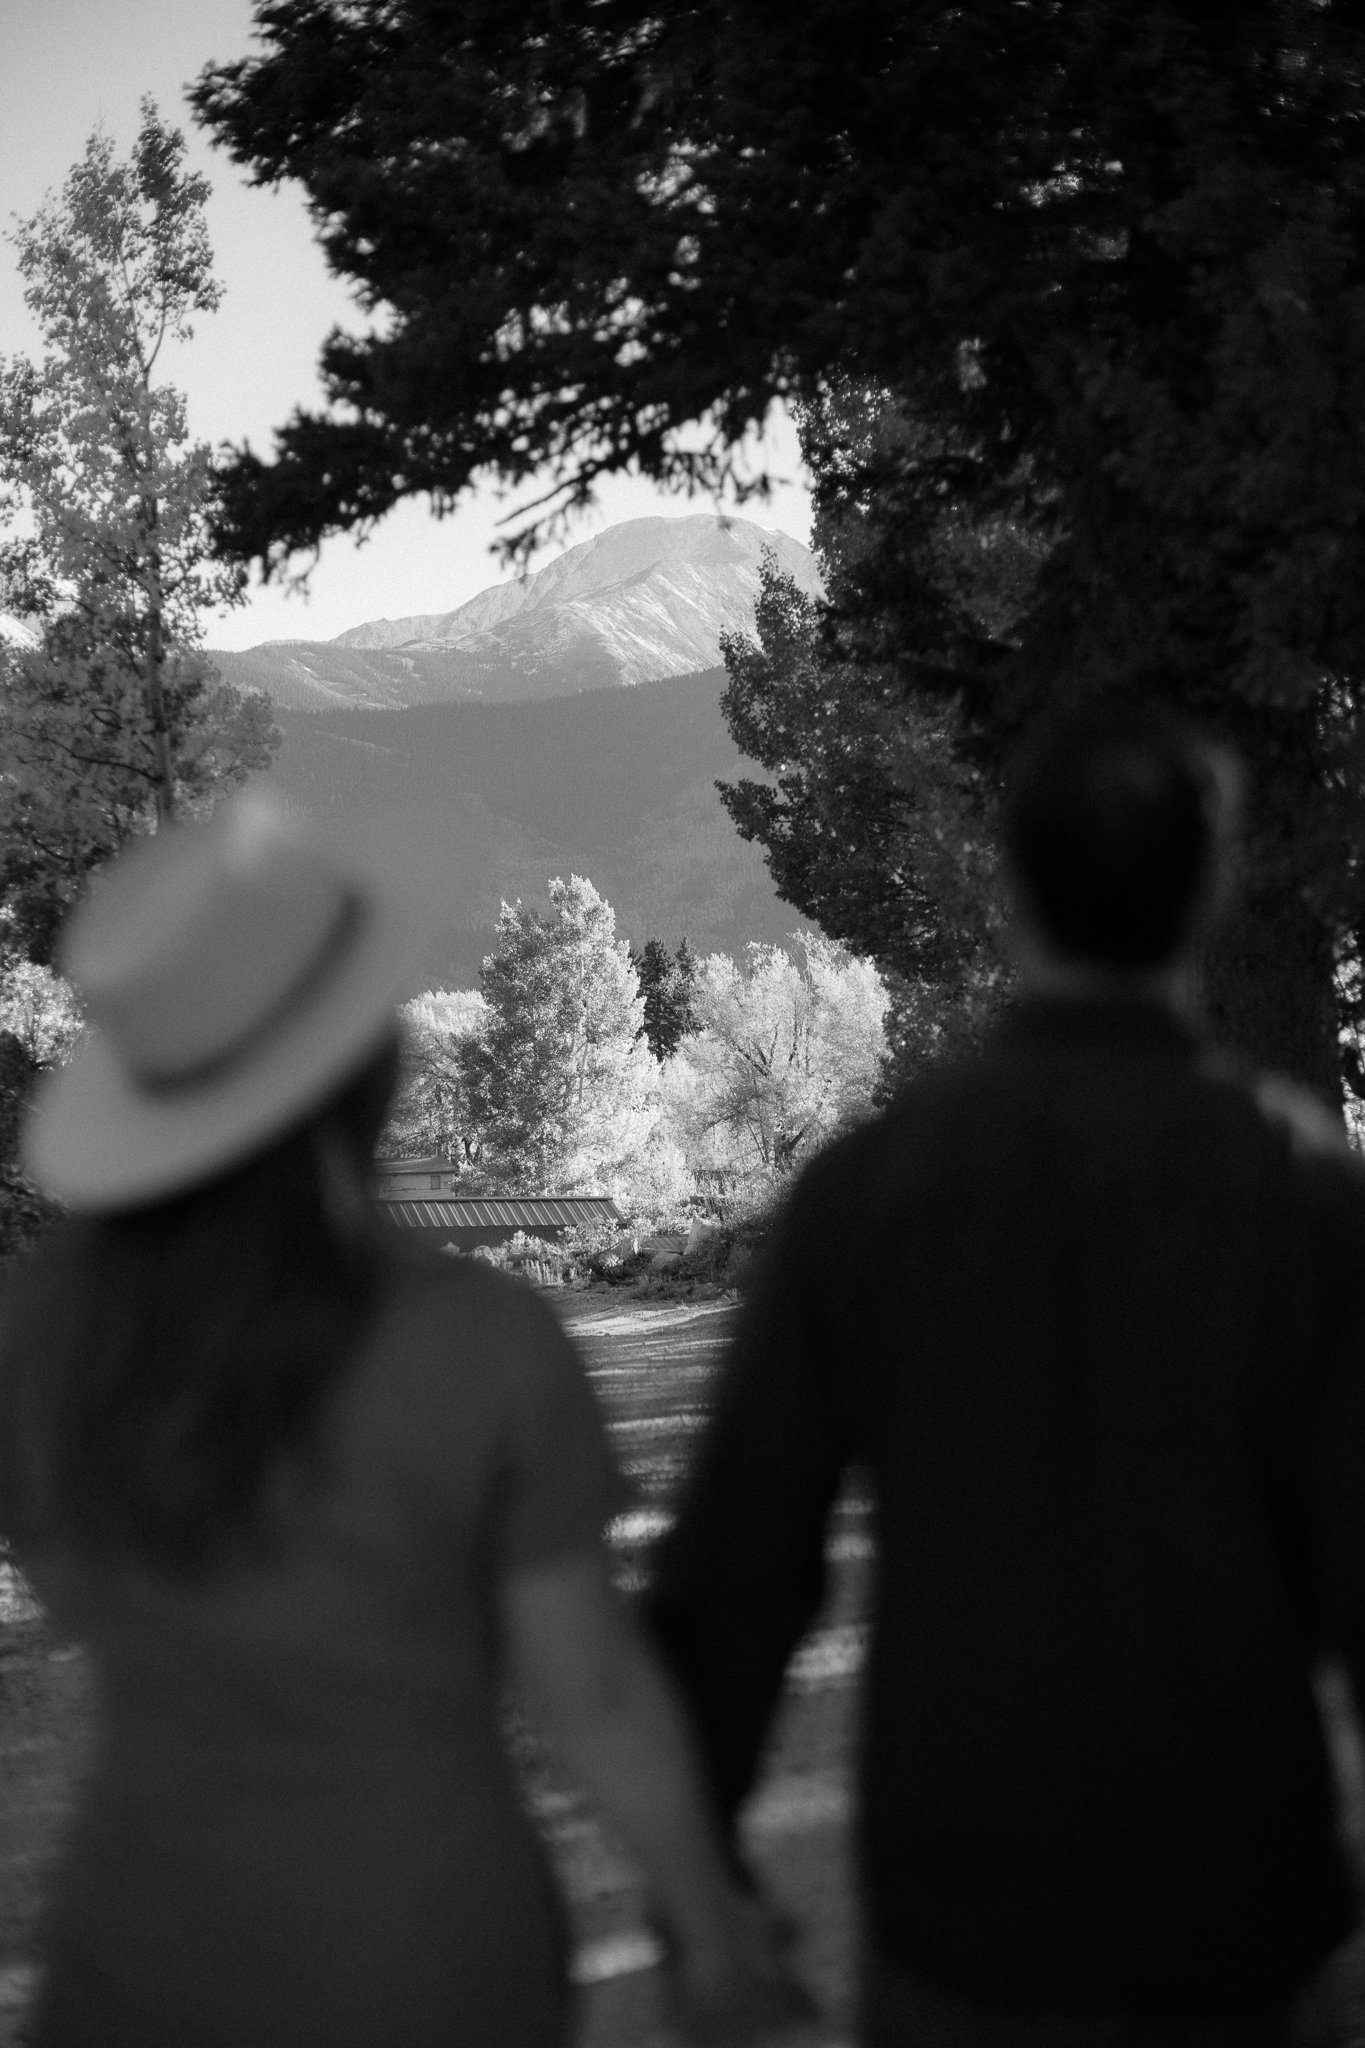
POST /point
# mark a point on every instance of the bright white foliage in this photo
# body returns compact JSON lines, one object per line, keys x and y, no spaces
{"x":447,"y":1012}
{"x":559,"y":1079}
{"x":788,"y":1050}
{"x":430,"y":1112}
{"x":547,"y":1074}
{"x":40,"y":1009}
{"x":611,"y":1132}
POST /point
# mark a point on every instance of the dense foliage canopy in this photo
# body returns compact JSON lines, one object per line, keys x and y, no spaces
{"x":557,"y":1077}
{"x":786,"y":1051}
{"x":547,"y":1079}
{"x":1094,"y":273}
{"x":431,"y":1113}
{"x":873,"y":822}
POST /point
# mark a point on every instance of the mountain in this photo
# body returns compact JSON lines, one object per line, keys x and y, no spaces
{"x":567,"y":724}
{"x":486,"y":801}
{"x":646,"y":599}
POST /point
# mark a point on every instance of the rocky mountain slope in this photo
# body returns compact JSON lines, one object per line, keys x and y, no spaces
{"x":646,"y":599}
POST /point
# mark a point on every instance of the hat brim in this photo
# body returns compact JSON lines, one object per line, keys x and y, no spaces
{"x":98,"y":1140}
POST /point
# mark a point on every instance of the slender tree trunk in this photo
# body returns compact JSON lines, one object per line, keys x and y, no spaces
{"x":156,"y":681}
{"x":1269,"y":991}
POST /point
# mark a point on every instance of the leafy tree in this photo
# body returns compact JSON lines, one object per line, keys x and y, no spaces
{"x":39,"y":1023}
{"x":558,"y":1079}
{"x":788,"y":1048}
{"x":1103,"y":263}
{"x":667,"y":983}
{"x":431,"y":1113}
{"x":39,"y":1010}
{"x":114,"y":717}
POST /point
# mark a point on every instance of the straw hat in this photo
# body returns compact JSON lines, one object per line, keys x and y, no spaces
{"x":234,"y":974}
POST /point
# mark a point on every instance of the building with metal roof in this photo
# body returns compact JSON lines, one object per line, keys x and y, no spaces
{"x":462,"y":1222}
{"x":413,"y":1177}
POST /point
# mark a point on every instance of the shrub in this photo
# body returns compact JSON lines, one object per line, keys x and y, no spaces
{"x":602,"y":1251}
{"x":530,"y":1258}
{"x":724,"y":1253}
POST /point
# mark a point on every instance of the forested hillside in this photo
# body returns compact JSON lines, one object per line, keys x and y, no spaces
{"x":494,"y":799}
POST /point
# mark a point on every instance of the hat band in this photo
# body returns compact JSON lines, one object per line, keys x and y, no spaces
{"x":336,"y":942}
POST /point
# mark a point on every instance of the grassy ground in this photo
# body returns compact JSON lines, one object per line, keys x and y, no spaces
{"x":651,"y":1362}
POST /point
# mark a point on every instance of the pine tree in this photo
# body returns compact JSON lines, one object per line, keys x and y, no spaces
{"x":684,"y":990}
{"x":1103,"y":261}
{"x":872,"y":820}
{"x":667,"y":984}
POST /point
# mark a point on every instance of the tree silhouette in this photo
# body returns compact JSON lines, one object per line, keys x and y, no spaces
{"x":668,"y":984}
{"x":1097,"y":269}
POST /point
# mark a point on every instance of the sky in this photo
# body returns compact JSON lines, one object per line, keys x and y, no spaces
{"x":68,"y":66}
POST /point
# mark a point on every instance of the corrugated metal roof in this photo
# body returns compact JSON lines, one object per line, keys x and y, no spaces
{"x":474,"y":1212}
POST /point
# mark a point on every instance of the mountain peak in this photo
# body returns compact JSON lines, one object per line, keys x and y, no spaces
{"x":723,"y":553}
{"x":638,"y":602}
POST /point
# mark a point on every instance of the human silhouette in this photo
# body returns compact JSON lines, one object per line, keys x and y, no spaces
{"x":1087,"y":1312}
{"x":309,"y":1502}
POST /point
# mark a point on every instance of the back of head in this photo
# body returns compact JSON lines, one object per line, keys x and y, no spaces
{"x":158,"y":1364}
{"x":1114,"y":820}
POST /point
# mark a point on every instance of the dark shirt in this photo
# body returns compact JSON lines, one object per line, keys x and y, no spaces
{"x":1092,"y":1319}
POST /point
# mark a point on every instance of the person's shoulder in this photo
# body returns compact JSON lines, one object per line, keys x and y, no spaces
{"x":845,"y":1193}
{"x":1284,"y":1114}
{"x":469,"y":1300}
{"x":1326,"y":1169}
{"x":471,"y":1378}
{"x":458,"y":1339}
{"x":1303,"y":1122}
{"x":842,"y":1163}
{"x":1294,"y":1135}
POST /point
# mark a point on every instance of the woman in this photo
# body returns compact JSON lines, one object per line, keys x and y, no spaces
{"x":306,"y":1502}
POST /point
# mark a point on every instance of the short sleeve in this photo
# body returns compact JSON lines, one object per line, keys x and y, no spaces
{"x":560,"y":1484}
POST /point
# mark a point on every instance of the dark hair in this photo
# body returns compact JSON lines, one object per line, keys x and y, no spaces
{"x":157,"y":1365}
{"x":1112,"y":821}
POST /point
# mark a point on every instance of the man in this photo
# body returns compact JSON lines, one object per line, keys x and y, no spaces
{"x":1091,"y":1319}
